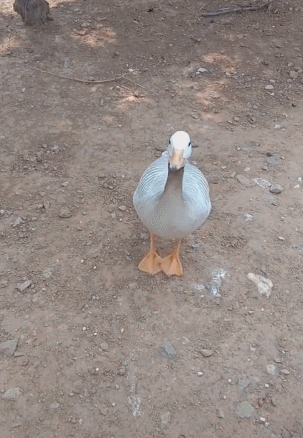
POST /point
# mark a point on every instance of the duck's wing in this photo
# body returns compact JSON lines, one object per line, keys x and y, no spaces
{"x":195,"y":192}
{"x":152,"y":183}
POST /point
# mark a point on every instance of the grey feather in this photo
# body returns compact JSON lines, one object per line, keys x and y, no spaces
{"x":152,"y":184}
{"x":195,"y":193}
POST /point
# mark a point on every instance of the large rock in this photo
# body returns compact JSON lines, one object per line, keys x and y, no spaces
{"x":9,"y":347}
{"x":11,"y":393}
{"x":32,"y":11}
{"x":244,"y":409}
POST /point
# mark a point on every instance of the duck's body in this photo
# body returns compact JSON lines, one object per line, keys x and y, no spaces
{"x":172,"y":199}
{"x":172,"y":203}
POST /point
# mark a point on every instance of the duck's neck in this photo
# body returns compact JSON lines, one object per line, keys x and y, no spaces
{"x":174,"y":180}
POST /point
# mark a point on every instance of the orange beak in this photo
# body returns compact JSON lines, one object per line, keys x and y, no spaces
{"x":176,"y":160}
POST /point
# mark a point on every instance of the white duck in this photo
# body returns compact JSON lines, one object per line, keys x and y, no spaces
{"x":172,"y":201}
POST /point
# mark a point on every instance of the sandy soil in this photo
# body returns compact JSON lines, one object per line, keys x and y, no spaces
{"x":103,"y":349}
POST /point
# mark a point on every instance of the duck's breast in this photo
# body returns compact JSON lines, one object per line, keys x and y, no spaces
{"x":169,"y":215}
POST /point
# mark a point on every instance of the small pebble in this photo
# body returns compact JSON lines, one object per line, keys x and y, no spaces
{"x":122,"y":207}
{"x":220,"y":413}
{"x":168,"y":349}
{"x":293,"y":74}
{"x":244,"y":181}
{"x":202,"y":70}
{"x":18,"y":221}
{"x":200,"y":373}
{"x":122,"y":371}
{"x":269,"y":87}
{"x":262,"y":419}
{"x":273,"y":401}
{"x":206,"y":353}
{"x":65,"y":213}
{"x":276,"y":189}
{"x":104,"y":346}
{"x":243,"y":383}
{"x":271,"y":369}
{"x":23,"y":286}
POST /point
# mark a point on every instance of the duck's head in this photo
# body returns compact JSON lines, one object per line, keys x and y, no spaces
{"x":179,"y":150}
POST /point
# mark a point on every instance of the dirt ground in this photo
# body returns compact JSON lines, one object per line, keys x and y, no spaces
{"x":105,"y":351}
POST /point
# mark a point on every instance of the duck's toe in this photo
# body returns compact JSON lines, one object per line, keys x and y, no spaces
{"x":171,"y":265}
{"x":151,"y":263}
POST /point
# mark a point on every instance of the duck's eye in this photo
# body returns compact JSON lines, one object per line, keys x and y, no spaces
{"x":189,"y":144}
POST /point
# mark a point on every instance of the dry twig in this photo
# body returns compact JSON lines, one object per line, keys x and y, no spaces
{"x":83,"y":81}
{"x":240,"y":9}
{"x":78,"y":80}
{"x":136,"y":83}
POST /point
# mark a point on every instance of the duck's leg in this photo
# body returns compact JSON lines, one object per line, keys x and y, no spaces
{"x":152,"y":262}
{"x":171,"y":264}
